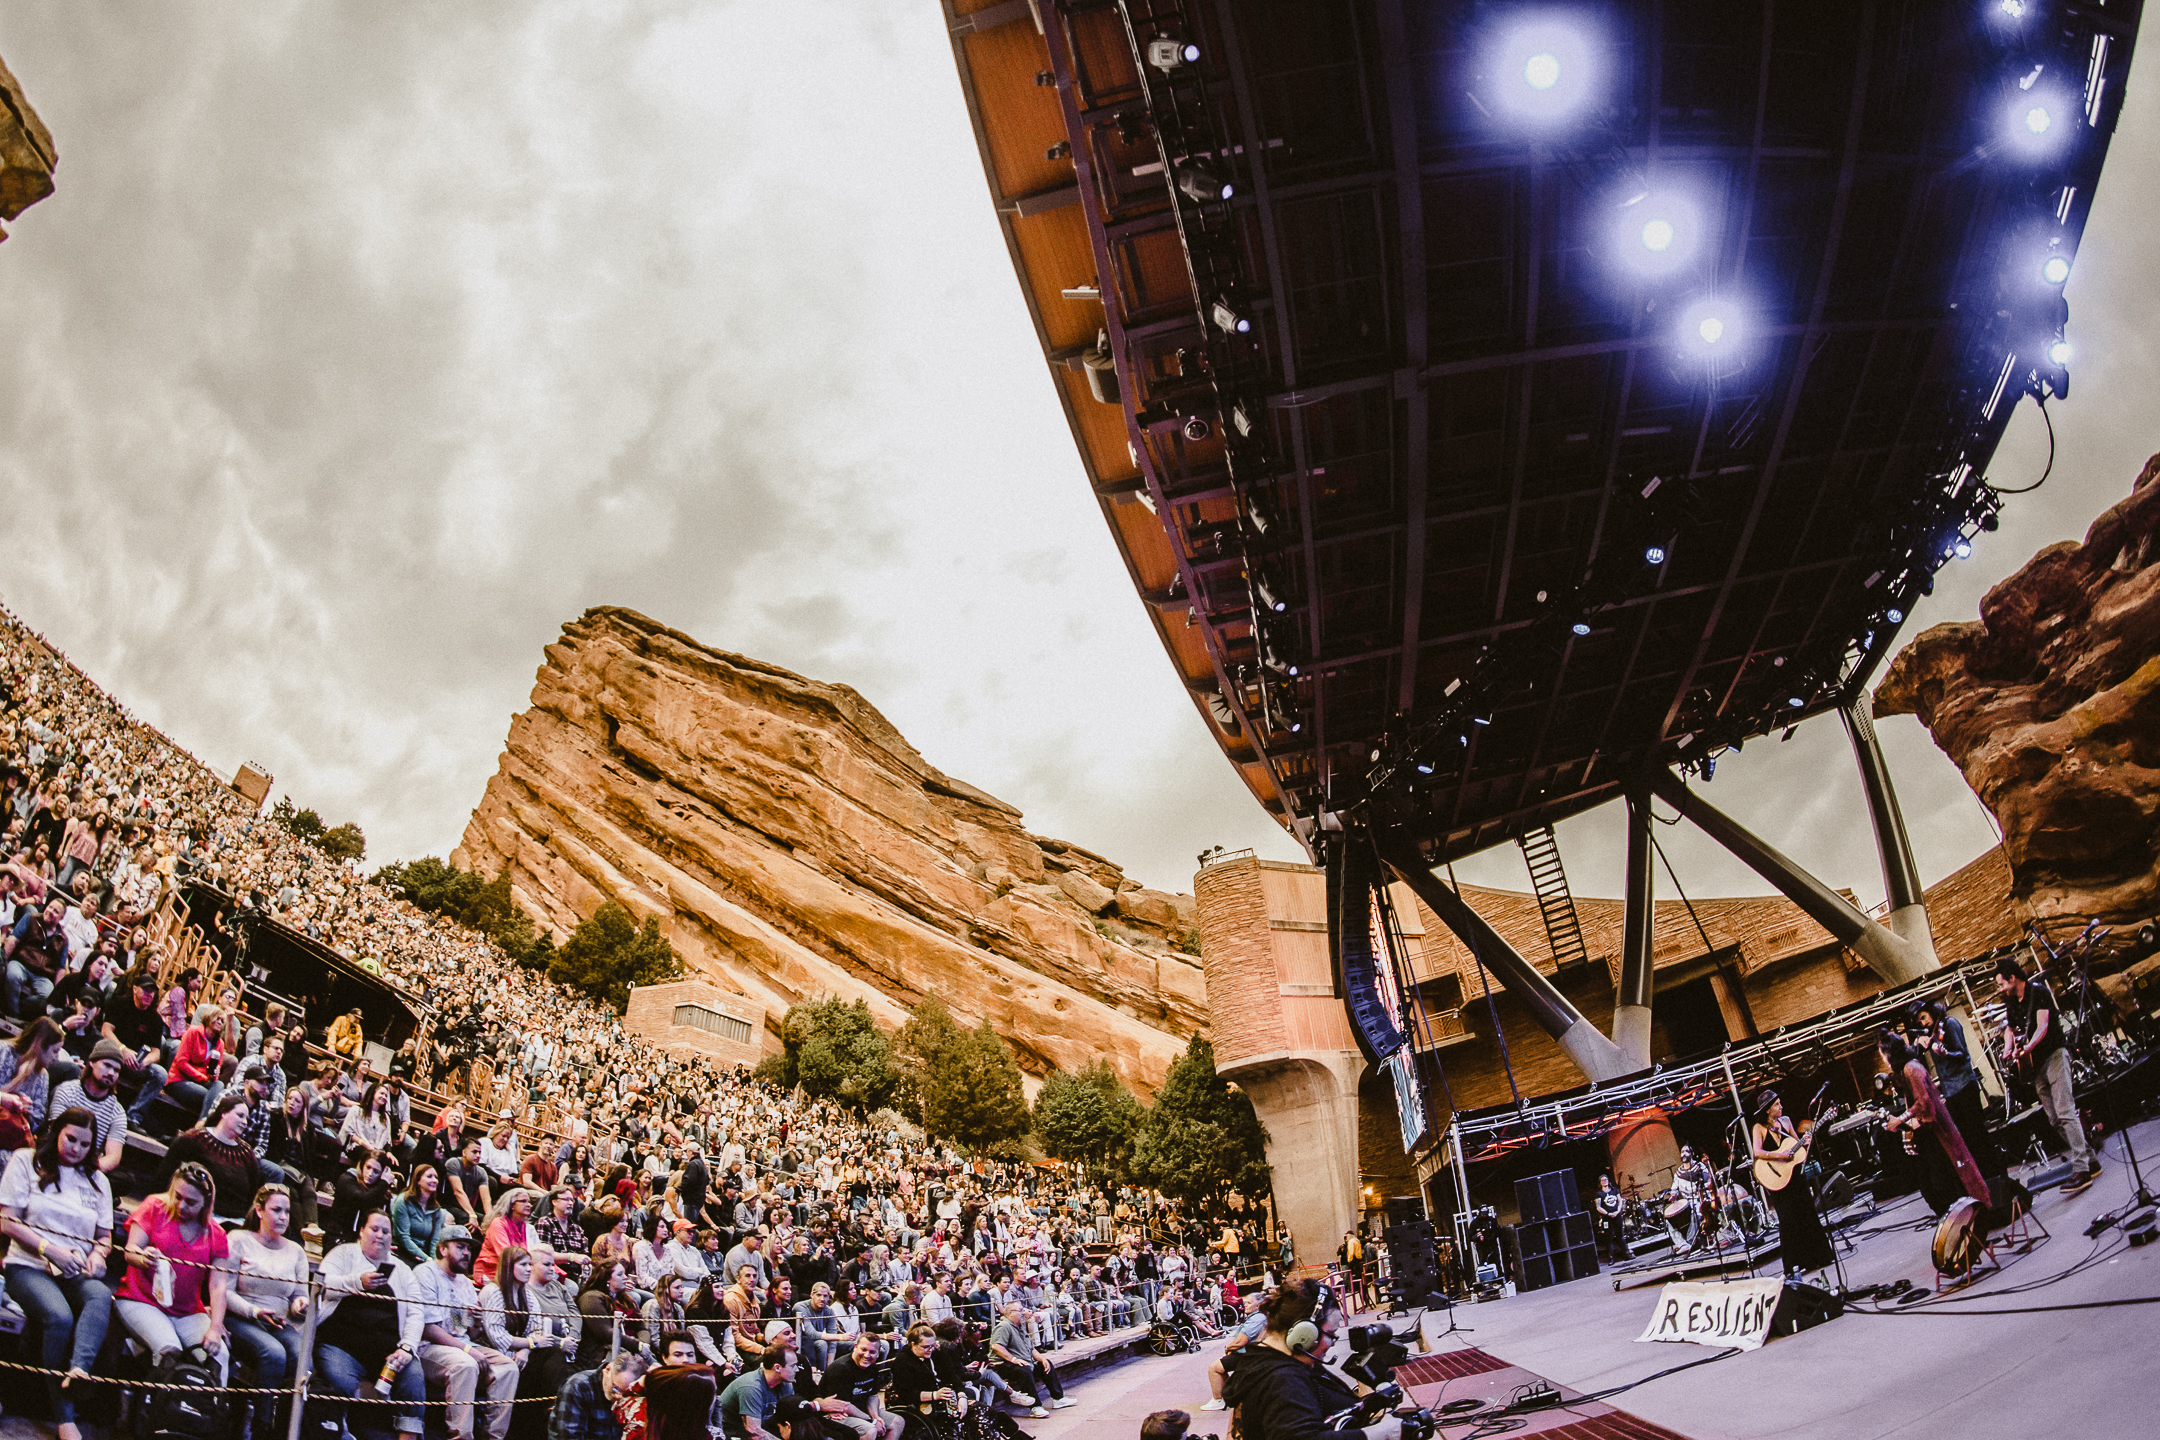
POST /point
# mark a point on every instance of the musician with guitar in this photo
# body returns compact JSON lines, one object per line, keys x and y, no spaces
{"x":1779,"y":1153}
{"x":2032,"y":1046}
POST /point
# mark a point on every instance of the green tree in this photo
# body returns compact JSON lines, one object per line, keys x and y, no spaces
{"x":484,"y":905}
{"x":972,"y":1091}
{"x":835,"y":1051}
{"x":1201,"y":1138}
{"x":1090,"y":1116}
{"x":346,"y":842}
{"x":609,"y":954}
{"x":929,"y":1029}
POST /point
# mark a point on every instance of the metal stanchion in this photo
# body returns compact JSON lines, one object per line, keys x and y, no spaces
{"x":306,"y":1368}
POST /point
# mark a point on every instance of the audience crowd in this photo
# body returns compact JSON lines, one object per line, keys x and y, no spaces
{"x":592,"y":1206}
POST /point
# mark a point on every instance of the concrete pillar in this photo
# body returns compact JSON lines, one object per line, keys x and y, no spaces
{"x":1631,"y":1007}
{"x":1309,"y":1104}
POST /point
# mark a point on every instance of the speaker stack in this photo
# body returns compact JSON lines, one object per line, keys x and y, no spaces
{"x":1554,"y":1239}
{"x":1413,"y":1265}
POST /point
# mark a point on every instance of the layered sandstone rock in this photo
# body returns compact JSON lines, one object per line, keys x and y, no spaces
{"x":27,"y":153}
{"x":792,"y":844}
{"x":2050,"y":704}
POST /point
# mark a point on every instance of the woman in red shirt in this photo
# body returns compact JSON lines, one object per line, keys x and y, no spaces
{"x":176,"y":1228}
{"x":199,"y":1060}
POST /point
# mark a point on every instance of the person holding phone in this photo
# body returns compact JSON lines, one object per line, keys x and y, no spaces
{"x":368,"y":1330}
{"x":268,"y":1295}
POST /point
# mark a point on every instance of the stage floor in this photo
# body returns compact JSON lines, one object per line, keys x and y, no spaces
{"x":1943,"y":1367}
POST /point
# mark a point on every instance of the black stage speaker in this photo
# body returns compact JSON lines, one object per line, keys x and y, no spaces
{"x":1405,"y":1210}
{"x":1547,"y":1197}
{"x":1413,"y":1267}
{"x":1802,"y":1307}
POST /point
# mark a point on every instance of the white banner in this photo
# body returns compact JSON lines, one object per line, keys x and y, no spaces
{"x":1720,"y":1314}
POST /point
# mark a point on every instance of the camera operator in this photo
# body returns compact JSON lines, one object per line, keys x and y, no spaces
{"x":1280,"y":1389}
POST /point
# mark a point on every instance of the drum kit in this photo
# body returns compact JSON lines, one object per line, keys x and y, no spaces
{"x":1704,"y":1210}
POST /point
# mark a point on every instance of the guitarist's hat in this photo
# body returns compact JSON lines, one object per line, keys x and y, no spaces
{"x":1764,"y":1099}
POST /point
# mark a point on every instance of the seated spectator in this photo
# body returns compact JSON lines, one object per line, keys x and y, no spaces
{"x":268,"y":1296}
{"x":508,"y":1318}
{"x":134,"y":1021}
{"x":586,"y":1407}
{"x":36,"y":950}
{"x":500,"y":1154}
{"x":358,"y":1189}
{"x":1012,"y":1352}
{"x":449,"y":1353}
{"x":417,"y":1215}
{"x":95,"y":1091}
{"x":77,"y":1006}
{"x":609,"y":1302}
{"x":509,"y":1223}
{"x":26,"y":1082}
{"x":174,"y":1231}
{"x":221,"y":1149}
{"x":56,"y":1211}
{"x":359,"y":1337}
{"x":470,"y":1194}
{"x":198,"y":1062}
{"x":344,"y":1037}
{"x":367,"y":1125}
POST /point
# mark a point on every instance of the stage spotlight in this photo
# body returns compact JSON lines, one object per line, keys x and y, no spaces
{"x":1267,"y":595}
{"x":1655,"y":555}
{"x":1710,"y":328}
{"x":2059,"y":353}
{"x":1167,"y":52}
{"x":1581,"y":627}
{"x":1894,"y":615}
{"x":2055,"y":269}
{"x":1543,"y":71}
{"x":1963,"y":549}
{"x":1229,"y":321}
{"x":1196,"y":428}
{"x":1655,"y":232}
{"x":1203,"y":186}
{"x":2015,"y":9}
{"x":1795,"y":702}
{"x":2038,"y":122}
{"x":1424,"y":768}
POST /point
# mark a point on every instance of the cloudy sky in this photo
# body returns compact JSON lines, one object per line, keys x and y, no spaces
{"x":364,"y":345}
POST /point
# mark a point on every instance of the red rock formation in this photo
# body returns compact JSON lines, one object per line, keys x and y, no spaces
{"x":793,"y":844}
{"x":27,"y":154}
{"x":2050,"y":704}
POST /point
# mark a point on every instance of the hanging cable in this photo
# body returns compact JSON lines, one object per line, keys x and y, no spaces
{"x":2028,"y":489}
{"x":1708,"y":948}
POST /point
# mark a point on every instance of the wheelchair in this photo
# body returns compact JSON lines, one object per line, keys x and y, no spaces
{"x":1172,"y":1337}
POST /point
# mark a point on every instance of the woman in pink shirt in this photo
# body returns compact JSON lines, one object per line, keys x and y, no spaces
{"x":176,"y":1228}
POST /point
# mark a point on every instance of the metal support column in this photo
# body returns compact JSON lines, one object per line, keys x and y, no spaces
{"x":1631,"y":1006}
{"x":1885,"y":952}
{"x":1597,"y":1057}
{"x":1901,"y":878}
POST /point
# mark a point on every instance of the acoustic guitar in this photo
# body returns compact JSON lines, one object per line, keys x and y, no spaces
{"x":1777,"y":1174}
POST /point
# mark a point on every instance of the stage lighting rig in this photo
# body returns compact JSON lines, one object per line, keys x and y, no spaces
{"x":1167,"y":52}
{"x":1204,"y":185}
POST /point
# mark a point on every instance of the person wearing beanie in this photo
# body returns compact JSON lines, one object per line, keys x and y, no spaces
{"x":97,"y":1091}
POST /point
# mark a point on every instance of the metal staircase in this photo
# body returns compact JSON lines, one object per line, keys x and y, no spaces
{"x":1563,"y":931}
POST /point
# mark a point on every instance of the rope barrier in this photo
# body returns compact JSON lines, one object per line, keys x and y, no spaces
{"x":73,"y":1378}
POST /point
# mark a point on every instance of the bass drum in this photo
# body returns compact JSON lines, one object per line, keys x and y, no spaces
{"x":1958,"y":1238}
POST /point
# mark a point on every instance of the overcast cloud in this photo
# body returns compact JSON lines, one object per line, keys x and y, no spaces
{"x":364,"y":345}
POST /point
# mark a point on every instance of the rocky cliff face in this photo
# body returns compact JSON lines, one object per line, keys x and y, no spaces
{"x":2050,"y":704}
{"x":792,"y":844}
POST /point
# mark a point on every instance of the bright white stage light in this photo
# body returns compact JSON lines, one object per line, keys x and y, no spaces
{"x":1963,"y":549}
{"x":1711,"y":328}
{"x":1894,"y":615}
{"x":1581,"y":627}
{"x":1544,"y":70}
{"x":2037,"y":119}
{"x":1655,"y":232}
{"x":2059,"y":353}
{"x":1657,"y":236}
{"x":2055,"y":270}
